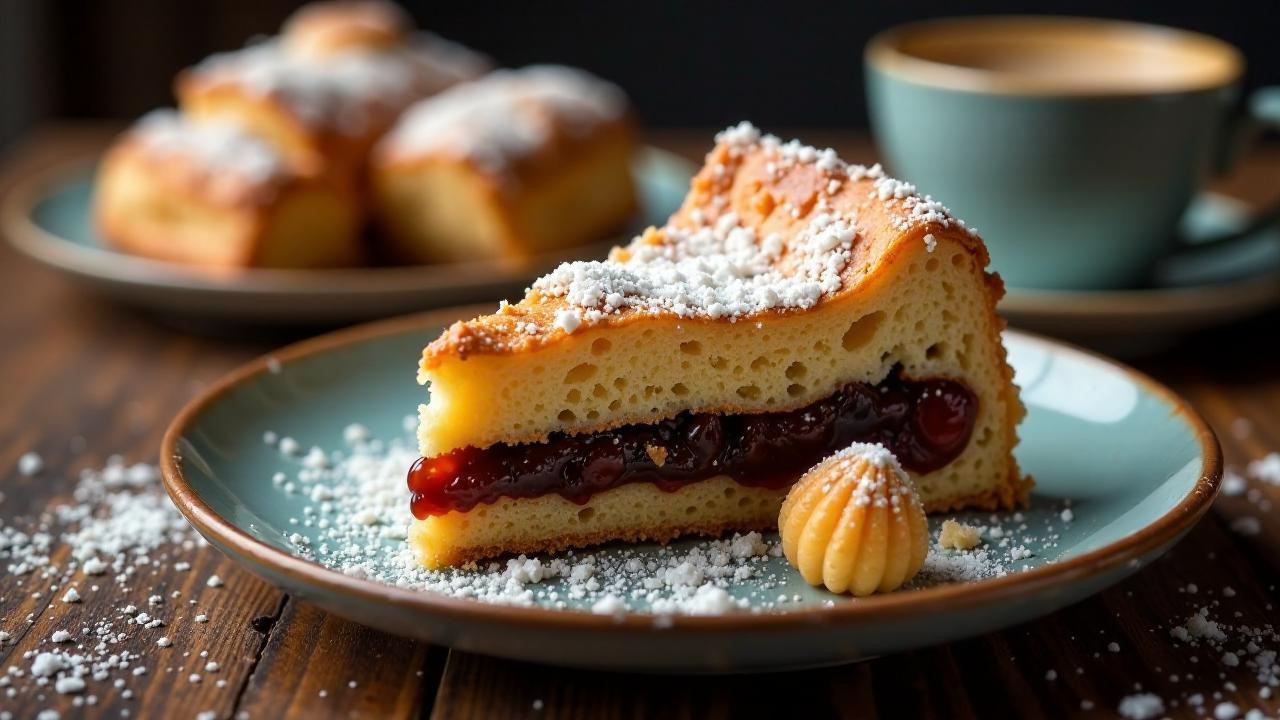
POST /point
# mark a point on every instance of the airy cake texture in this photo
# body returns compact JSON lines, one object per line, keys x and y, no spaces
{"x":215,"y":195}
{"x":502,"y":167}
{"x":786,"y":275}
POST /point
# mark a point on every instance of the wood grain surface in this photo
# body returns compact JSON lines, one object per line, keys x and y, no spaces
{"x":81,"y":380}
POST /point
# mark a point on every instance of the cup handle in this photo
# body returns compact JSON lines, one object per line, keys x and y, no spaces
{"x":1263,"y":113}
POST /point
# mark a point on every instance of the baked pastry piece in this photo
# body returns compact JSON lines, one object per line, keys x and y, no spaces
{"x":792,"y":306}
{"x":326,"y":90}
{"x":212,"y":194}
{"x":323,"y":29}
{"x":518,"y":162}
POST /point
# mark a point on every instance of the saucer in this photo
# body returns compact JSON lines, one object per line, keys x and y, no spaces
{"x":1216,"y":286}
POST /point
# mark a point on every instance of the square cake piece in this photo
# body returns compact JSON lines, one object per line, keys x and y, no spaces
{"x":517,"y":163}
{"x":212,"y":194}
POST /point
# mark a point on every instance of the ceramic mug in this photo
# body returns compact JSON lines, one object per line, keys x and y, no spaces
{"x":1072,"y":144}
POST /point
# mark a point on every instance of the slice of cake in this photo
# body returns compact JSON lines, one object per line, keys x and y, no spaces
{"x":215,"y":195}
{"x":794,"y":305}
{"x":331,"y":85}
{"x":519,"y":162}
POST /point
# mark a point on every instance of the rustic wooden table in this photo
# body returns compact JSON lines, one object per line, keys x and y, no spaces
{"x":74,"y":366}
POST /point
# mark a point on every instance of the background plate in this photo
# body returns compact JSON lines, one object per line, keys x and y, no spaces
{"x":1138,"y":465}
{"x":49,"y":217}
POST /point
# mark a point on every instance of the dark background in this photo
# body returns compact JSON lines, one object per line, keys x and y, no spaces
{"x":684,"y":63}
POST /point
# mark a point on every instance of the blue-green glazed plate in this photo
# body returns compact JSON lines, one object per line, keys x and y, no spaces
{"x":49,"y":217}
{"x":1134,"y":463}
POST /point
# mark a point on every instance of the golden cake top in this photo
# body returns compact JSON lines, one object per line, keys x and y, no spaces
{"x":767,"y":227}
{"x":507,"y":119}
{"x":229,"y":164}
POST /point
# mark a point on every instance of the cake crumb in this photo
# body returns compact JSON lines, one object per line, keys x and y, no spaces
{"x":657,"y":454}
{"x":568,"y":320}
{"x":958,"y":536}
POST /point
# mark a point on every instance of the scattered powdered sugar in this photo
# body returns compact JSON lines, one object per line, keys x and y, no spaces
{"x":1233,"y":483}
{"x":507,"y":115}
{"x":1141,"y":706}
{"x":219,"y":146}
{"x":1266,"y":469}
{"x":358,"y":527}
{"x":119,"y":526}
{"x":352,"y":515}
{"x":30,"y":463}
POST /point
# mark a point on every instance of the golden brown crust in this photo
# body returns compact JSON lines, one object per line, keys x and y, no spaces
{"x":764,"y":196}
{"x":173,"y":203}
{"x":525,"y":170}
{"x":187,"y":175}
{"x":508,"y":195}
{"x":310,"y":146}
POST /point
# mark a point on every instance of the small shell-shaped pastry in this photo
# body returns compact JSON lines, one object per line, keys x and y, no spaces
{"x":854,"y":523}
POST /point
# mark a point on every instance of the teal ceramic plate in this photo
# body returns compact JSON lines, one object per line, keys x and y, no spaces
{"x":1214,"y":285}
{"x":1134,"y":464}
{"x":48,"y":217}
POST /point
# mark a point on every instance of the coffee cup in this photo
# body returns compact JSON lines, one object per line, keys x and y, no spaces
{"x":1073,"y":145}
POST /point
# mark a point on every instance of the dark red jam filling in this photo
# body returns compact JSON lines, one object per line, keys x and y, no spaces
{"x":926,"y":423}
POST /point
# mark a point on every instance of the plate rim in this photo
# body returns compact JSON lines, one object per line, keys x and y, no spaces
{"x":1164,"y":529}
{"x":18,"y":225}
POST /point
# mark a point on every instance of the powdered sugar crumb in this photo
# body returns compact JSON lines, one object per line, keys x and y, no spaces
{"x":30,"y":463}
{"x":1141,"y":706}
{"x":507,"y":115}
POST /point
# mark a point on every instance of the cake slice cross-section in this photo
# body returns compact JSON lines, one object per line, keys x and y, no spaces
{"x":793,"y":305}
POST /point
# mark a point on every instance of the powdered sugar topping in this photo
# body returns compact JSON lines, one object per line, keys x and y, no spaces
{"x":718,"y":271}
{"x":722,"y":269}
{"x":507,"y":115}
{"x":346,"y":91}
{"x":878,"y":478}
{"x":218,"y":146}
